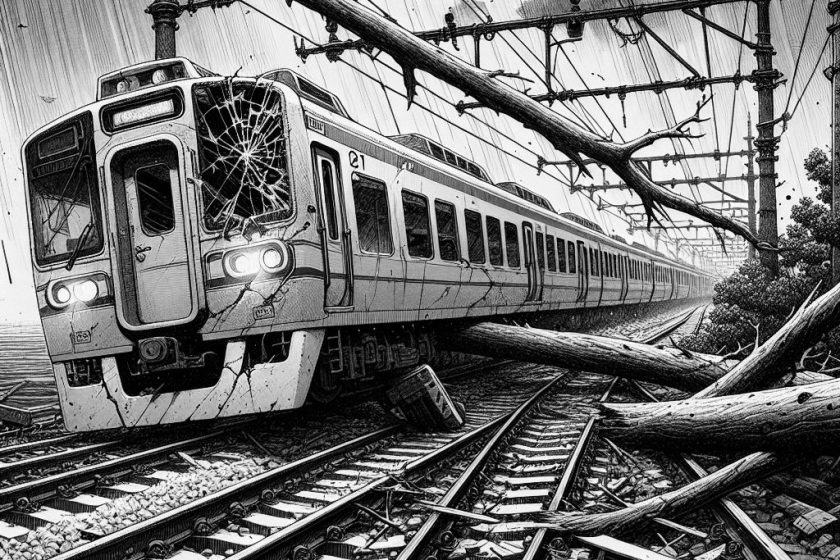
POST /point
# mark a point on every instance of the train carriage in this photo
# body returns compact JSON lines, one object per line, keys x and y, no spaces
{"x":207,"y":246}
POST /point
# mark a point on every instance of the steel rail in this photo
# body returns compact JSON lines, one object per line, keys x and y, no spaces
{"x":177,"y":524}
{"x":729,"y":511}
{"x":84,"y":477}
{"x":569,"y":475}
{"x":9,"y":469}
{"x":35,"y":444}
{"x":267,"y":548}
{"x":457,"y":490}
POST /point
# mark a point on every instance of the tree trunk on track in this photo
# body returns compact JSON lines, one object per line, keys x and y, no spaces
{"x":804,"y":419}
{"x":671,"y":504}
{"x":631,"y":360}
{"x":780,"y":351}
{"x":812,"y":491}
{"x":765,"y":364}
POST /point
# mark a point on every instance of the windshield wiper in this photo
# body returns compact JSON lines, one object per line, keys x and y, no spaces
{"x":80,"y":243}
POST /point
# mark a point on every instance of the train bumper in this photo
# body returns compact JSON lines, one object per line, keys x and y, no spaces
{"x":261,"y":388}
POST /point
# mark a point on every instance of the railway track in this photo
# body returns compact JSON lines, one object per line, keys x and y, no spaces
{"x":239,"y":520}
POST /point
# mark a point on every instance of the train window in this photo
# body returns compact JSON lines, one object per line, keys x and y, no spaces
{"x":494,"y":241}
{"x":447,"y":227}
{"x":475,"y":237}
{"x":154,"y":199}
{"x":417,"y":231}
{"x":561,"y":255}
{"x":328,"y":184}
{"x":572,"y":261}
{"x":540,"y":251}
{"x":371,"y":201}
{"x":242,"y":152}
{"x":512,"y":245}
{"x":551,"y":253}
{"x":451,"y":158}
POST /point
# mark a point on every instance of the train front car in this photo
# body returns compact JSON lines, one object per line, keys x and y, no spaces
{"x":172,"y":231}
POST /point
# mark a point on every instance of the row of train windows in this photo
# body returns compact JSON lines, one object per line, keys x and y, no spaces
{"x":553,"y":254}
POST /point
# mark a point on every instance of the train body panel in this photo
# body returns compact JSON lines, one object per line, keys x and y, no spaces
{"x":168,"y":295}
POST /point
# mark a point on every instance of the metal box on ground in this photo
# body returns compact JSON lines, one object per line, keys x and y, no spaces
{"x":419,"y":397}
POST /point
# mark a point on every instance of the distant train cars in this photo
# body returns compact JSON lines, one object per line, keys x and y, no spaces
{"x":207,"y":246}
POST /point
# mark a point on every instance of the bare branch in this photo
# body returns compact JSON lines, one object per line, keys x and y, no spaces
{"x":736,"y":352}
{"x":629,"y":148}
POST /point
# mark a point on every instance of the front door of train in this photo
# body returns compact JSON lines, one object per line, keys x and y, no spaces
{"x":335,"y":240}
{"x":534,"y":279}
{"x":157,"y":285}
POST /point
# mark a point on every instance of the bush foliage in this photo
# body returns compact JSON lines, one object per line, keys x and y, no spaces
{"x":752,"y":303}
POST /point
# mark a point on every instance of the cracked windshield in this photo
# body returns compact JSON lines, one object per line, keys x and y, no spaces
{"x":243,"y":154}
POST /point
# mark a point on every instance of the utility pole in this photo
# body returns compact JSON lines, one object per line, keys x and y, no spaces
{"x":833,"y":73}
{"x":164,"y":16}
{"x":750,"y":180}
{"x":765,"y":82}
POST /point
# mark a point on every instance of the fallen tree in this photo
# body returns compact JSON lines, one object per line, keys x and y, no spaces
{"x":773,"y":358}
{"x":801,"y":419}
{"x":763,"y":366}
{"x":413,"y":53}
{"x":632,"y":360}
{"x":672,"y":504}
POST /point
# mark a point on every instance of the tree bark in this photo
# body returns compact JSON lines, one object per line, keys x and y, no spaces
{"x":413,"y":53}
{"x":671,"y":504}
{"x":811,"y":491}
{"x":631,"y":360}
{"x":804,"y":419}
{"x":782,"y":349}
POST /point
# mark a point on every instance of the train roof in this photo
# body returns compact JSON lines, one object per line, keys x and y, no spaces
{"x":431,"y":148}
{"x":307,"y":90}
{"x":525,"y":194}
{"x":580,"y":220}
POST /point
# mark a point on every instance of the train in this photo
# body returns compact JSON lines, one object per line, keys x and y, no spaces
{"x":207,"y":246}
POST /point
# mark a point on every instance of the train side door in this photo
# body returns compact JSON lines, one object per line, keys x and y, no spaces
{"x":653,"y":284}
{"x":158,"y":284}
{"x":530,"y":262}
{"x":583,"y":272}
{"x":333,"y":230}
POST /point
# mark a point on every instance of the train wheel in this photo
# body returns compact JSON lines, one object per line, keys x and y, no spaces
{"x":326,"y":386}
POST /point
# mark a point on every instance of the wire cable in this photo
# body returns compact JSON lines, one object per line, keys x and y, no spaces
{"x":533,"y":165}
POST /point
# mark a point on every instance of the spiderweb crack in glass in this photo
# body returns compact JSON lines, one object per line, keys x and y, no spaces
{"x":242,"y":148}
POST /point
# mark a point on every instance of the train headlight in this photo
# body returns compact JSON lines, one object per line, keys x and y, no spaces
{"x":241,"y":263}
{"x":273,"y":260}
{"x":86,"y":290}
{"x":62,"y":294}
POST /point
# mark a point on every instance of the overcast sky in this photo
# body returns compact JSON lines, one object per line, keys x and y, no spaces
{"x":51,"y":52}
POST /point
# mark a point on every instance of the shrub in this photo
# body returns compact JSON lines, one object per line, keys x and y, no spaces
{"x":753,"y":298}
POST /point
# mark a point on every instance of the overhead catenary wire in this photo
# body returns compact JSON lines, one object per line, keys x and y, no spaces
{"x":725,"y":166}
{"x":531,"y":164}
{"x":799,"y":56}
{"x":810,"y":77}
{"x":483,"y":15}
